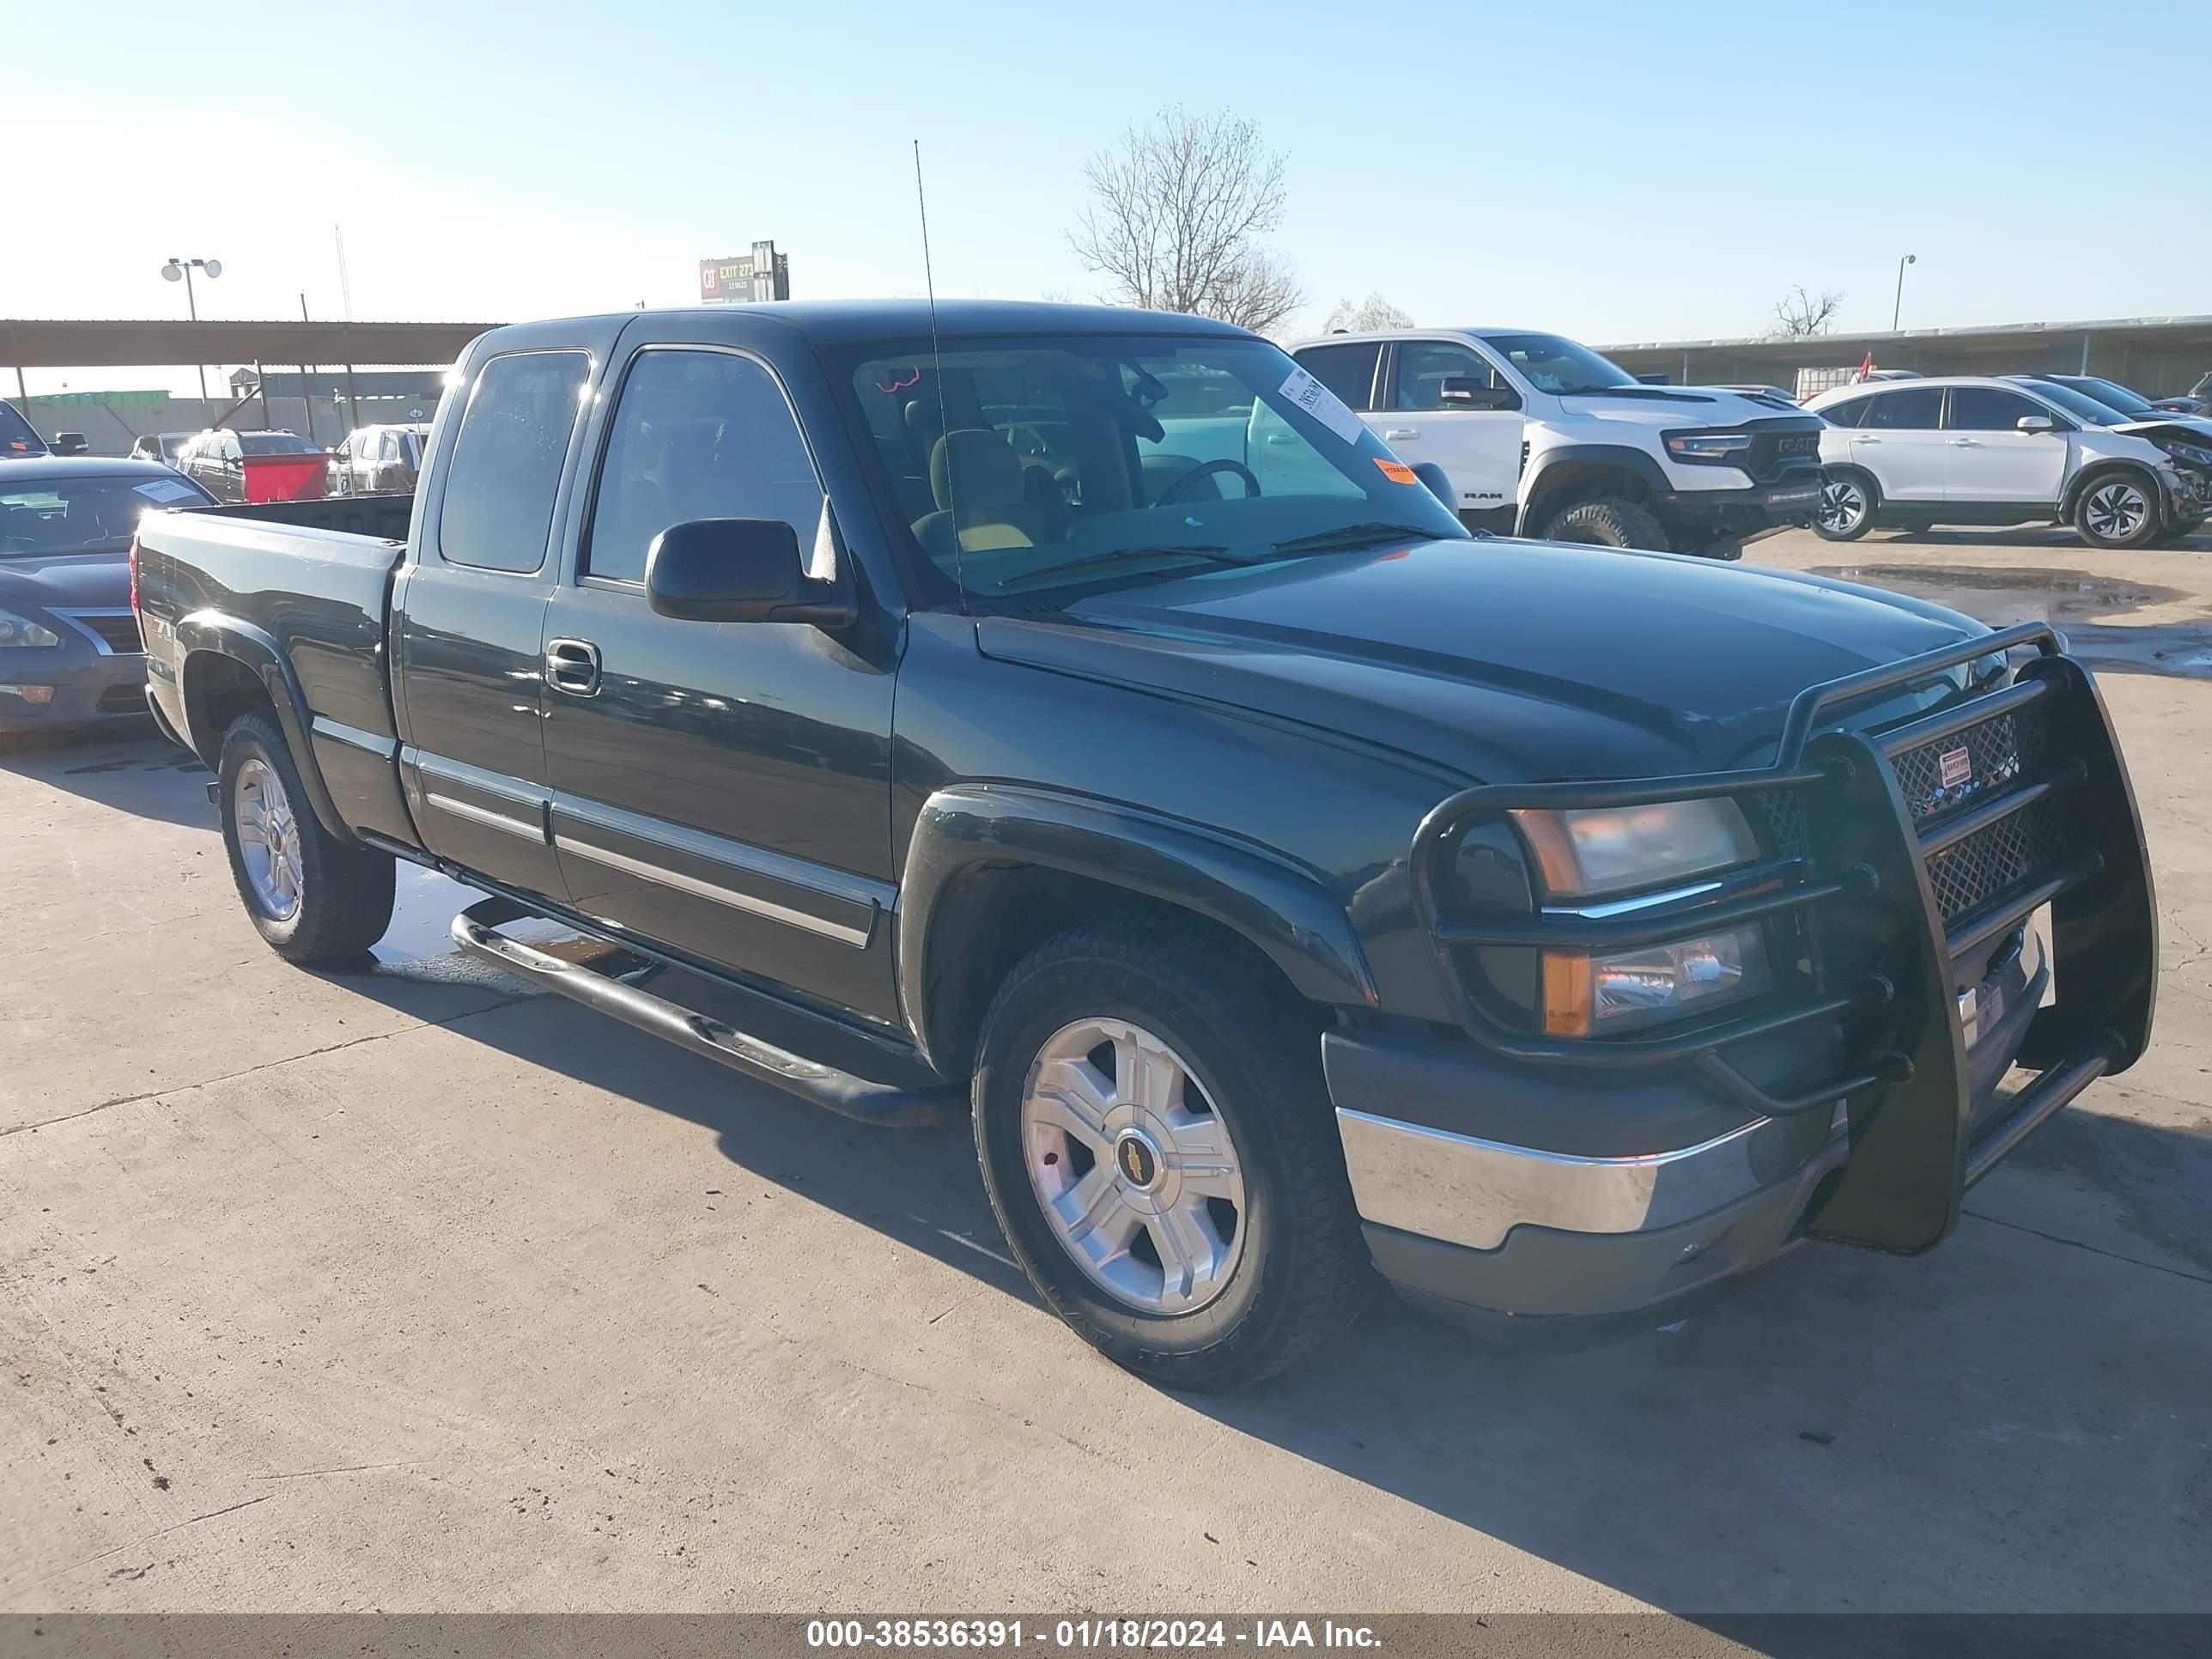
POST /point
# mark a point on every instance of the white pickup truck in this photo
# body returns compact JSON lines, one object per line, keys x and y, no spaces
{"x":1542,"y":437}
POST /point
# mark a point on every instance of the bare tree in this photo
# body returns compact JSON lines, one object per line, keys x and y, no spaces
{"x":1798,"y":315}
{"x":1372,"y":313}
{"x":1179,"y":212}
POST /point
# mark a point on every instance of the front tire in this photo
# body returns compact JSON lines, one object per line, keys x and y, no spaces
{"x":313,"y":896}
{"x":1846,"y":510}
{"x":1156,"y":1139}
{"x":1606,"y":521}
{"x":2117,"y":510}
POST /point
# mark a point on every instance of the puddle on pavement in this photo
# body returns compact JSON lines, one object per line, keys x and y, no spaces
{"x":2000,"y":595}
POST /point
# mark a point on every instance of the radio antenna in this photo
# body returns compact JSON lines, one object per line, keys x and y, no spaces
{"x":937,"y":372}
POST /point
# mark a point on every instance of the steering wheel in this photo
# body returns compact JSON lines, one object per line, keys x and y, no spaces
{"x":1251,"y":484}
{"x":1026,"y":441}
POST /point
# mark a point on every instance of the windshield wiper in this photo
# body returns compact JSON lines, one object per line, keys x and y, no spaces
{"x":1354,"y":535}
{"x":1217,"y":555}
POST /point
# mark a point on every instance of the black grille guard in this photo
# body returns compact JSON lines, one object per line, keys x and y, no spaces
{"x":1885,"y":953}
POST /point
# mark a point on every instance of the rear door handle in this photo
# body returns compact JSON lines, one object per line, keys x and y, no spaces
{"x":573,"y":666}
{"x":1392,"y":434}
{"x":1965,"y":443}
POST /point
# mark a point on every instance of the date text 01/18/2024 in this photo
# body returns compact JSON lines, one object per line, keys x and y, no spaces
{"x":1086,"y":1634}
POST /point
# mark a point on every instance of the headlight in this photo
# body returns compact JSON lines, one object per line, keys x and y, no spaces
{"x":22,"y":630}
{"x":2189,"y":452}
{"x":1707,"y":445}
{"x":1614,"y":849}
{"x":1584,"y":994}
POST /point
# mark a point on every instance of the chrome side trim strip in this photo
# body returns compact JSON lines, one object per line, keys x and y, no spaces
{"x":485,"y":816}
{"x":1471,"y":1192}
{"x":706,"y":889}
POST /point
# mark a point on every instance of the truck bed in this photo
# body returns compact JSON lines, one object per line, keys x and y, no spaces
{"x":286,"y":592}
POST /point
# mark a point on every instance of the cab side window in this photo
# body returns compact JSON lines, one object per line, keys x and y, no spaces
{"x":697,"y":434}
{"x":1348,"y":370}
{"x":506,"y":467}
{"x":1425,"y":365}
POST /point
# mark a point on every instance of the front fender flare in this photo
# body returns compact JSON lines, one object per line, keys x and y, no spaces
{"x":1618,"y":457}
{"x":202,"y":633}
{"x":1274,"y":904}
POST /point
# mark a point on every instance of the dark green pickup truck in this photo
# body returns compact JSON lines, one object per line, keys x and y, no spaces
{"x":1078,"y":718}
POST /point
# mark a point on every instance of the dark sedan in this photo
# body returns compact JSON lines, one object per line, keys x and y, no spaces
{"x":69,"y":651}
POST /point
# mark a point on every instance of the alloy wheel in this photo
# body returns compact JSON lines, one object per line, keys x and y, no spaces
{"x":268,"y":839}
{"x":1133,"y":1170}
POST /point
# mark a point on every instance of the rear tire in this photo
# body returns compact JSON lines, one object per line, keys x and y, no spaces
{"x":1224,"y":1092}
{"x":2118,"y":510}
{"x":1608,"y":521}
{"x":1846,"y":512}
{"x":313,"y":896}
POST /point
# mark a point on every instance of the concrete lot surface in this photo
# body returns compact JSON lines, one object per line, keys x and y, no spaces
{"x":401,"y":1289}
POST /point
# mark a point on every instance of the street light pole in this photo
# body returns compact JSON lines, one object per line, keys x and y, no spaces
{"x":177,"y":269}
{"x":1897,"y":310}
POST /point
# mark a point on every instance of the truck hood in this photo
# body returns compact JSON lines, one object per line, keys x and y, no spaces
{"x":70,"y":581}
{"x":1501,"y":661}
{"x":1671,"y":408}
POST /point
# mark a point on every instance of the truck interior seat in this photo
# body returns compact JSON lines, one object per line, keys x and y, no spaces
{"x":983,"y":498}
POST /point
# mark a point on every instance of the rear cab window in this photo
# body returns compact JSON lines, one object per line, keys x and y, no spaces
{"x":497,"y":509}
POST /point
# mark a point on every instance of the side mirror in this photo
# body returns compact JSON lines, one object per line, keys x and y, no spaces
{"x":2035,"y":424}
{"x":738,"y":570}
{"x":1439,"y":483}
{"x":1469,"y":392}
{"x":71,"y":443}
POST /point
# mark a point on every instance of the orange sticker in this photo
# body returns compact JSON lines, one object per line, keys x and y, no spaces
{"x":1397,"y":472}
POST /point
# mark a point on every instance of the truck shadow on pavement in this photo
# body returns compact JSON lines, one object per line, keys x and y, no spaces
{"x":2013,"y":1422}
{"x":135,"y":772}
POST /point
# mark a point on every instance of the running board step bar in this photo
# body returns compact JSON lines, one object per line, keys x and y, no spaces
{"x":474,"y":930}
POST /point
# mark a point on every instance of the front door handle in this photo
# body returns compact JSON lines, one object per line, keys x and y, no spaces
{"x":1394,"y":434}
{"x":573,"y":666}
{"x":1865,"y":440}
{"x":1965,"y":443}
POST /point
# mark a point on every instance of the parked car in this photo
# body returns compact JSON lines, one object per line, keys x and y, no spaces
{"x":255,"y":466}
{"x":1291,"y":886}
{"x":70,"y":654}
{"x":162,"y":446}
{"x":1983,"y":450}
{"x":18,"y":437}
{"x":375,"y":460}
{"x":2197,"y":401}
{"x":1542,"y":437}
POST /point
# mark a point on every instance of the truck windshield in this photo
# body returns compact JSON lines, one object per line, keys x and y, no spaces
{"x":79,"y":514}
{"x":1558,"y":365}
{"x":1024,"y":465}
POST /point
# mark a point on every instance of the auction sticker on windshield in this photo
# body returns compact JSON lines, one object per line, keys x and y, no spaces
{"x":1324,"y":405}
{"x":167,"y":489}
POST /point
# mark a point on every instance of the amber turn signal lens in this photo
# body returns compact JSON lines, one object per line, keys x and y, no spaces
{"x":1567,"y":999}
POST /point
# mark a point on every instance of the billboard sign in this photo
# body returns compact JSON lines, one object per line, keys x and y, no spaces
{"x":763,"y":274}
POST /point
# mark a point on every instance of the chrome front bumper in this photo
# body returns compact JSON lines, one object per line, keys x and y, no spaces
{"x":1496,"y":1223}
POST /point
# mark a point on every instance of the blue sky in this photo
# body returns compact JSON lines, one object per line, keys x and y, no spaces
{"x":1616,"y":172}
